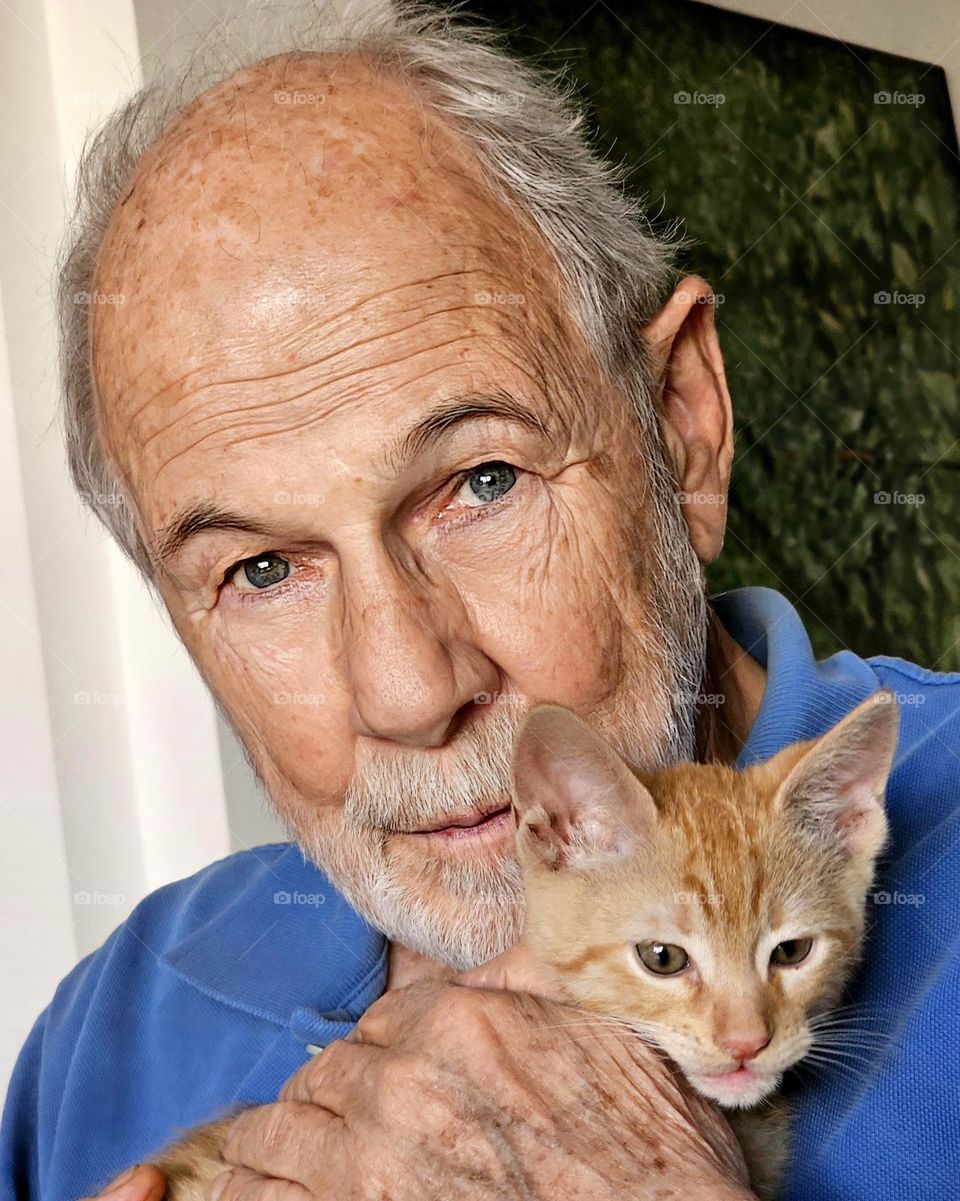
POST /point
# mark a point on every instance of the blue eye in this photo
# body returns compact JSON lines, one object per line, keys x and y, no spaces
{"x":486,"y":483}
{"x":262,"y":571}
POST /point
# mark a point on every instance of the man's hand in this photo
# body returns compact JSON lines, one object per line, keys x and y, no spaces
{"x":466,"y":1092}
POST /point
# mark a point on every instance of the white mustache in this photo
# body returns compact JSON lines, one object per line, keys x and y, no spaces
{"x":401,"y":792}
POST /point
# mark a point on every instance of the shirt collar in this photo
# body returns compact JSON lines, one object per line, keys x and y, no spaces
{"x":276,"y":950}
{"x":285,"y":944}
{"x":803,"y":697}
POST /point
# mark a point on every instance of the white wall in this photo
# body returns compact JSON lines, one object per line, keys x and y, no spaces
{"x":117,"y":774}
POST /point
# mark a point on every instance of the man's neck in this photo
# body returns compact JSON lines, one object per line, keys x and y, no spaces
{"x":733,"y":687}
{"x":408,"y":967}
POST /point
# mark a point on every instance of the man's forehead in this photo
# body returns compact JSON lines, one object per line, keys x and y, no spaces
{"x":263,"y":235}
{"x":243,"y":176}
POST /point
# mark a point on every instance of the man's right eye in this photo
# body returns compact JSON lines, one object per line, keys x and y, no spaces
{"x":259,"y":572}
{"x":486,"y":483}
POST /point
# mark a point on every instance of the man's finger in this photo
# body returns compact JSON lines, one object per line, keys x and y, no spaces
{"x":142,"y":1182}
{"x":241,"y":1185}
{"x":287,"y":1141}
{"x":338,"y":1079}
{"x":516,"y":970}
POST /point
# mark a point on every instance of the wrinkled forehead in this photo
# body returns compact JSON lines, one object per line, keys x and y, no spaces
{"x":296,"y":227}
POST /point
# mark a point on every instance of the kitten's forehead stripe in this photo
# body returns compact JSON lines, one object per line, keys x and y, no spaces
{"x":592,"y":955}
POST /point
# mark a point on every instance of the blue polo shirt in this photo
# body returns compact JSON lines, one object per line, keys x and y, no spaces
{"x":211,"y":991}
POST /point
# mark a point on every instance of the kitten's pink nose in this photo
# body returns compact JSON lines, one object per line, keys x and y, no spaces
{"x":745,"y":1044}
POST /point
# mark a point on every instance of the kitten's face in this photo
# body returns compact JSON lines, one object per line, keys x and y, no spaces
{"x":717,"y":912}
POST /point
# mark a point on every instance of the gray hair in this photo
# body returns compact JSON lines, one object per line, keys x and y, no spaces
{"x":526,"y":127}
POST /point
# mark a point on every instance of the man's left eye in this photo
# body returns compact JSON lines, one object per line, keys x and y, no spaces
{"x":486,"y":483}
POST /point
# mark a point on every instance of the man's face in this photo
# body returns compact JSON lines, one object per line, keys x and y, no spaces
{"x":397,"y":504}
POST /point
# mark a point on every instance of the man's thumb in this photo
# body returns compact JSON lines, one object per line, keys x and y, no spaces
{"x":142,"y":1182}
{"x":516,"y":970}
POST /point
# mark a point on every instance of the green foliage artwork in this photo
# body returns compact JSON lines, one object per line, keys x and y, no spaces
{"x":818,"y":185}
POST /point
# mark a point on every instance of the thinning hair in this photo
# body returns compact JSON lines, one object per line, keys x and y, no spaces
{"x":527,"y":129}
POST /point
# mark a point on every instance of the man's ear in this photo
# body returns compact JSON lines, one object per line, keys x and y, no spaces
{"x":578,"y":804}
{"x":696,"y":415}
{"x":836,"y":790}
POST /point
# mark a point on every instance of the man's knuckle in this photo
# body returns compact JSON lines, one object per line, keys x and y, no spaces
{"x":278,"y":1128}
{"x":404,"y":1074}
{"x":459,"y":1010}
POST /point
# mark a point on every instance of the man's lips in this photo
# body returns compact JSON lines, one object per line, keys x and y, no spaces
{"x":460,"y":825}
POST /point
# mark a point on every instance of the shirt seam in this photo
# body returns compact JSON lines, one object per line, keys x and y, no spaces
{"x":913,"y":671}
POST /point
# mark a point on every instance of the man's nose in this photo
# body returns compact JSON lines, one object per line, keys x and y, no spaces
{"x":411,"y":664}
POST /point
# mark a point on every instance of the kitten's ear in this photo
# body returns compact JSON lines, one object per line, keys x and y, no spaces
{"x":837,"y":787}
{"x":578,"y":804}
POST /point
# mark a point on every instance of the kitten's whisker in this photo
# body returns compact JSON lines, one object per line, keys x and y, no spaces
{"x":838,"y":1059}
{"x":610,"y":1023}
{"x":840,"y":1034}
{"x":824,"y":1066}
{"x":828,"y":1022}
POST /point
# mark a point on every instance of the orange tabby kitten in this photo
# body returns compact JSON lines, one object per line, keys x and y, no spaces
{"x":717,"y":913}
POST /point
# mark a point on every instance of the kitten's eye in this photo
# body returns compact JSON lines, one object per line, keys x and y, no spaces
{"x":260,"y":572}
{"x":486,"y":483}
{"x":662,"y":958}
{"x":794,"y":950}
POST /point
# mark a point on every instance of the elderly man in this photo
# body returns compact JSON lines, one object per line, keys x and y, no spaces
{"x":399,"y":420}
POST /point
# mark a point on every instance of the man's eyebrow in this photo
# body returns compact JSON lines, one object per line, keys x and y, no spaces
{"x":198,"y":517}
{"x":448,"y":414}
{"x":443,"y":417}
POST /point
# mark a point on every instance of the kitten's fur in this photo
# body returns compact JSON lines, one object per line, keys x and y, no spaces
{"x":723,"y":864}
